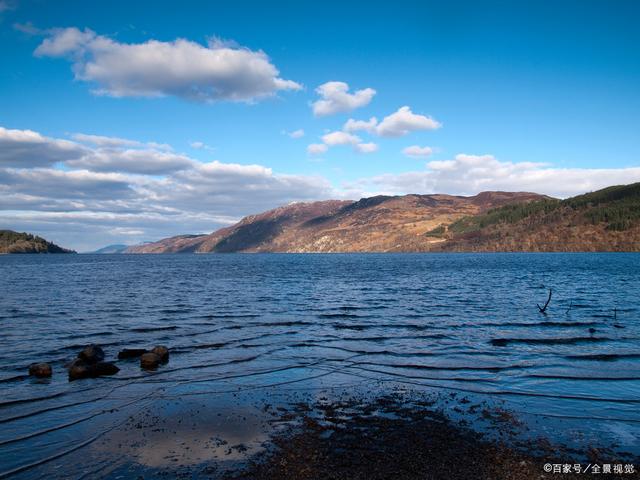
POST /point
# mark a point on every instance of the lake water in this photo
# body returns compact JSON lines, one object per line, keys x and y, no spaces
{"x":278,"y":324}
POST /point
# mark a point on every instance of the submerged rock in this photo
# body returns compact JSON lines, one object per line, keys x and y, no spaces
{"x":91,"y":354}
{"x":150,"y":361}
{"x":80,"y":369}
{"x":131,"y":353}
{"x":162,"y":352}
{"x":104,"y":368}
{"x":40,"y":370}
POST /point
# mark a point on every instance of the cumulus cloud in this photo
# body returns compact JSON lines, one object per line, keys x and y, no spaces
{"x":181,"y":68}
{"x":471,"y":174}
{"x":335,"y":98}
{"x":366,"y":147}
{"x":416,"y":151}
{"x":340,"y":138}
{"x":26,"y":148}
{"x":317,"y":149}
{"x":403,"y":122}
{"x":399,"y":123}
{"x":369,"y":126}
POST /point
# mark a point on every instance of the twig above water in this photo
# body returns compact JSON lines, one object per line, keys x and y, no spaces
{"x":544,"y":309}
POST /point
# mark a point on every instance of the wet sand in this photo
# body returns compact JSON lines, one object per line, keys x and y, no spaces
{"x":404,"y":435}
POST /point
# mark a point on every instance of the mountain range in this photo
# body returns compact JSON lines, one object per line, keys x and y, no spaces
{"x":605,"y":220}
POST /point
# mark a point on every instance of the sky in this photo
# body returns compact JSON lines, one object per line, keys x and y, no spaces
{"x":124,"y":122}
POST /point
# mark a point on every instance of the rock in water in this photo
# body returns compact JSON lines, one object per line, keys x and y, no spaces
{"x":91,"y":354}
{"x":80,"y":369}
{"x":150,"y":360}
{"x":162,"y":352}
{"x":131,"y":353}
{"x":40,"y":370}
{"x":104,"y":368}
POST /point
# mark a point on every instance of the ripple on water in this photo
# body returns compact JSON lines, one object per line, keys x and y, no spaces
{"x":463,"y":323}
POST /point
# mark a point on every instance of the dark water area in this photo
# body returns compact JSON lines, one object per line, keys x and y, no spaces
{"x":251,"y":332}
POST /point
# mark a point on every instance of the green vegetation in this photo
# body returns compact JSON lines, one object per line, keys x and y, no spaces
{"x":618,"y":207}
{"x":507,"y":214}
{"x":14,"y":242}
{"x":439,"y":231}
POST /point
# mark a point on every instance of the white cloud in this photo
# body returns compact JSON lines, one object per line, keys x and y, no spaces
{"x":201,"y":146}
{"x":117,"y":142}
{"x":416,"y":151}
{"x":26,"y":148}
{"x":471,"y":174}
{"x":103,"y":141}
{"x":296,"y":133}
{"x":144,"y":194}
{"x":185,"y":69}
{"x":149,"y":193}
{"x":335,"y":98}
{"x":369,"y":126}
{"x":340,"y":138}
{"x":317,"y":149}
{"x":366,"y":147}
{"x":403,"y":122}
{"x":77,"y":185}
{"x":332,"y":139}
{"x":145,"y":161}
{"x":27,"y":28}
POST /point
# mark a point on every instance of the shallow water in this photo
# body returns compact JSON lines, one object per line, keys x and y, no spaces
{"x":274,"y":325}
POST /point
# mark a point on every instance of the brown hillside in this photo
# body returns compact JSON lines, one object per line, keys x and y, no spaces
{"x":376,"y":224}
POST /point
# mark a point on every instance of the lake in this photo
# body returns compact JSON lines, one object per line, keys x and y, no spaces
{"x":279,"y":327}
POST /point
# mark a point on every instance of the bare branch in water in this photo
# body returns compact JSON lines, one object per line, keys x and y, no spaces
{"x":544,"y":309}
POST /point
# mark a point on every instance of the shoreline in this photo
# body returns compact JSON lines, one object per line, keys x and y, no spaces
{"x":385,"y":438}
{"x":343,"y":435}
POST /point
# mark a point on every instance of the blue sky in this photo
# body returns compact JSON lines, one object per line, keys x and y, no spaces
{"x":537,"y":96}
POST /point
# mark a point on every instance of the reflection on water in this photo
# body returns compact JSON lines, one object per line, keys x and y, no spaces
{"x":188,"y":433}
{"x":270,"y":328}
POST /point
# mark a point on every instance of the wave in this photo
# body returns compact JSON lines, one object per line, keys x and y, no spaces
{"x":153,"y":329}
{"x":503,"y":342}
{"x":604,"y":357}
{"x":578,"y":377}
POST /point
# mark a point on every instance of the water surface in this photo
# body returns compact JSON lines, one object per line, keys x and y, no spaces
{"x":270,"y":324}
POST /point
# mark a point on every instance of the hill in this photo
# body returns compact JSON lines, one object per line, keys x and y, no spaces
{"x":14,"y":242}
{"x":375,"y":224}
{"x":605,"y":220}
{"x":117,"y":248}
